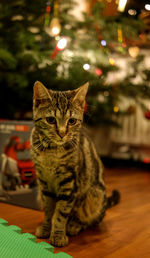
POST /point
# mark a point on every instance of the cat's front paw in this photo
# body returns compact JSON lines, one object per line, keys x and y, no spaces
{"x":58,"y":240}
{"x":43,"y":231}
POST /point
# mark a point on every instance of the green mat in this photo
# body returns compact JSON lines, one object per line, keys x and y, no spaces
{"x":14,"y":244}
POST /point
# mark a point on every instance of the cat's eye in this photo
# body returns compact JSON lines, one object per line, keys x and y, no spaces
{"x":51,"y":120}
{"x":72,"y":121}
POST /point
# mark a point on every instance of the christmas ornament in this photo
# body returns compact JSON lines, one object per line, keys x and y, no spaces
{"x":47,"y":15}
{"x":147,"y":115}
{"x":98,"y":71}
{"x":54,"y":28}
{"x":133,"y":51}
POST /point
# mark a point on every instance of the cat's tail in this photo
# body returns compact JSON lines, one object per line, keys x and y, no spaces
{"x":113,"y":199}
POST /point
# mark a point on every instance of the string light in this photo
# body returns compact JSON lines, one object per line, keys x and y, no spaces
{"x":47,"y":15}
{"x":103,"y":42}
{"x":55,"y":31}
{"x":116,"y":109}
{"x":62,"y":43}
{"x":122,"y":5}
{"x":111,"y":61}
{"x":147,"y":7}
{"x":86,"y":67}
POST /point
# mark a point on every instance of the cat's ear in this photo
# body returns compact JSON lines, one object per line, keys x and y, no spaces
{"x":80,"y":94}
{"x":40,"y":92}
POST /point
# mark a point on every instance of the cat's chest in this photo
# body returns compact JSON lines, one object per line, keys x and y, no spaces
{"x":50,"y":163}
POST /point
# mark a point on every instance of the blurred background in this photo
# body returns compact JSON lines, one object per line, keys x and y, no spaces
{"x":66,"y":43}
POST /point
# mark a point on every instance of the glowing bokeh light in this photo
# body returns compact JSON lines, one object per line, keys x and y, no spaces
{"x":132,"y":12}
{"x":147,"y":7}
{"x":86,"y":67}
{"x":103,"y":42}
{"x":122,"y":5}
{"x":62,"y":43}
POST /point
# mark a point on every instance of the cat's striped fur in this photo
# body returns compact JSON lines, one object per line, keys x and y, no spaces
{"x":69,"y":171}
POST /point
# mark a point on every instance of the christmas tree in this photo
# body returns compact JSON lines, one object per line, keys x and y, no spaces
{"x":44,"y":41}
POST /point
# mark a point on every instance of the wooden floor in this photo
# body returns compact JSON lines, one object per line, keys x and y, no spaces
{"x":125,"y":230}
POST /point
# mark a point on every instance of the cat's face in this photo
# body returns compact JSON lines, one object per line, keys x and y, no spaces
{"x":58,"y":115}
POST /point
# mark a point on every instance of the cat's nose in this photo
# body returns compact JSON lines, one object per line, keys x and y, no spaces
{"x":62,"y":133}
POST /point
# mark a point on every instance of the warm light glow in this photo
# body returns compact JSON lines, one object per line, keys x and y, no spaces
{"x":147,"y":160}
{"x":106,"y":93}
{"x":98,"y":71}
{"x":62,"y":43}
{"x":147,"y":7}
{"x":134,"y":51}
{"x":54,"y":29}
{"x":57,"y":38}
{"x":100,"y":98}
{"x":17,"y":18}
{"x":86,"y":67}
{"x":120,"y":36}
{"x":132,"y":12}
{"x":122,"y":5}
{"x":116,"y":109}
{"x":111,"y":61}
{"x":33,"y":29}
{"x":124,"y":44}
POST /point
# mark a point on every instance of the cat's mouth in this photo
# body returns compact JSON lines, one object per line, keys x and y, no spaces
{"x":60,"y":141}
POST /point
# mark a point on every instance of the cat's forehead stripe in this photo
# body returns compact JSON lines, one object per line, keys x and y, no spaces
{"x":61,"y":102}
{"x":58,"y":113}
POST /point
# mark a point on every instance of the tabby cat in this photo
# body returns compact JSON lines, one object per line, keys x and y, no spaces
{"x":69,"y":171}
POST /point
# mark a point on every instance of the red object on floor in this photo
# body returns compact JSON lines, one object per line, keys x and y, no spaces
{"x":27,"y":171}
